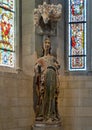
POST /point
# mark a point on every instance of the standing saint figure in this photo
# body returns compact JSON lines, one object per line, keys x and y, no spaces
{"x":47,"y":85}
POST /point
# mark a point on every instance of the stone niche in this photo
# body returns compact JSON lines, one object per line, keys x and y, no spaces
{"x":46,"y":81}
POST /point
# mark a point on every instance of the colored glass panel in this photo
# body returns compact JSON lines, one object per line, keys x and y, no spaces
{"x":7,"y":4}
{"x":6,"y":58}
{"x":77,"y":63}
{"x":7,"y":34}
{"x":77,"y":39}
{"x":6,"y":29}
{"x":77,"y":10}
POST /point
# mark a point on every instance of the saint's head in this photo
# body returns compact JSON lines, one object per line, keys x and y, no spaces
{"x":47,"y":44}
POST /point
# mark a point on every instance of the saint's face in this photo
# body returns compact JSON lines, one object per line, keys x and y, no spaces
{"x":47,"y":44}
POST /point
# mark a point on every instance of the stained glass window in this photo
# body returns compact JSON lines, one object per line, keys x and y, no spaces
{"x":77,"y":35}
{"x":7,"y":35}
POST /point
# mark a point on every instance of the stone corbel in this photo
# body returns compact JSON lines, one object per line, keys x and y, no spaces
{"x":46,"y":17}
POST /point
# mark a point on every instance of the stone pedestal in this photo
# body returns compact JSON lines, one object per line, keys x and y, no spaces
{"x":41,"y":126}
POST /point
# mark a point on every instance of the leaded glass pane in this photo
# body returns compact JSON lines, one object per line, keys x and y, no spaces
{"x":6,"y":29}
{"x":7,"y":4}
{"x":77,"y":63}
{"x":77,"y":10}
{"x":6,"y":58}
{"x":77,"y":39}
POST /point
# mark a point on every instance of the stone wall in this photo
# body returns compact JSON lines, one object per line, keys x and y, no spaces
{"x":75,"y":102}
{"x":16,"y":98}
{"x":15,"y":102}
{"x":75,"y":87}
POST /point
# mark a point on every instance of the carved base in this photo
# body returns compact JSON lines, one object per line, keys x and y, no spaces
{"x":47,"y":126}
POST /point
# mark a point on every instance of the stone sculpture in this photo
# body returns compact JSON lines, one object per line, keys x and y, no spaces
{"x":47,"y":85}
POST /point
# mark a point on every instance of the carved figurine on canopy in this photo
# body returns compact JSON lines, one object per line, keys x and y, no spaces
{"x":46,"y":17}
